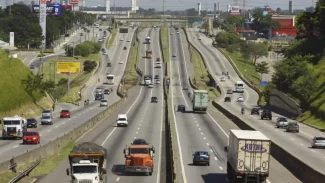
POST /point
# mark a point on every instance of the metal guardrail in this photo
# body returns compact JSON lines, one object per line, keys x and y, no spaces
{"x":26,"y":172}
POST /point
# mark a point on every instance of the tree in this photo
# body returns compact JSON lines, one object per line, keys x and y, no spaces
{"x":235,"y":21}
{"x":34,"y":84}
{"x":264,"y":23}
{"x":224,"y":39}
{"x":191,"y":12}
{"x":262,"y":68}
{"x":68,"y":50}
{"x":255,"y":50}
{"x":310,"y":9}
{"x":306,"y":25}
{"x":304,"y":86}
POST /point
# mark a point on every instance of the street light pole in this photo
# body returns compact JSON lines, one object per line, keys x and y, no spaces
{"x":73,"y":50}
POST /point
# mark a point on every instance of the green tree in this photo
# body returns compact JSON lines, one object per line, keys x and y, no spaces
{"x":254,"y":50}
{"x":34,"y":84}
{"x":191,"y":12}
{"x":235,"y":21}
{"x":304,"y":86}
{"x":263,"y":23}
{"x":224,"y":39}
{"x":262,"y":68}
{"x":68,"y":50}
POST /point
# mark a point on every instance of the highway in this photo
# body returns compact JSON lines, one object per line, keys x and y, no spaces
{"x":145,"y":121}
{"x":79,"y":114}
{"x":217,"y":63}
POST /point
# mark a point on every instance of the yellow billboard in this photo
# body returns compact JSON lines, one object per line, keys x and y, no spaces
{"x":68,"y":67}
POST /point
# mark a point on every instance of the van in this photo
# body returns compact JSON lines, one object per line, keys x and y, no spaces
{"x":122,"y":120}
{"x":47,"y":117}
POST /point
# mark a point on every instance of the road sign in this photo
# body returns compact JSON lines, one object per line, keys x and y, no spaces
{"x":73,"y":1}
{"x":68,"y":67}
{"x":263,"y":83}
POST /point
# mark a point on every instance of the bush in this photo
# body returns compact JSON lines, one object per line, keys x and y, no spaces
{"x":41,"y":55}
{"x":86,"y":48}
{"x":48,"y":51}
{"x":89,"y":65}
{"x":227,"y":38}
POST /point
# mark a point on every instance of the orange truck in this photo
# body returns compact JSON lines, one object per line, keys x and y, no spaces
{"x":139,"y":158}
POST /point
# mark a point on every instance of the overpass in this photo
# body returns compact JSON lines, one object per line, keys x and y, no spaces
{"x":152,"y":19}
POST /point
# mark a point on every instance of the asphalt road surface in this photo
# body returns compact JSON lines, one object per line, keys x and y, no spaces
{"x":145,"y":121}
{"x":217,"y":63}
{"x":79,"y":115}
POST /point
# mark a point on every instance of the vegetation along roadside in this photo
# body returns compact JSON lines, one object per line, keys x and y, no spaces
{"x":165,"y":43}
{"x":46,"y":166}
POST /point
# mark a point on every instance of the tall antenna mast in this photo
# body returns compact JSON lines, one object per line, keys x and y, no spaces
{"x":244,"y":5}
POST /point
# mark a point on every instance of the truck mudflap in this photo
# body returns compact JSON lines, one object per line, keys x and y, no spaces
{"x":140,"y":169}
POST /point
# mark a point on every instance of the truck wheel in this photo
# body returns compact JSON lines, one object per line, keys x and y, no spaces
{"x":150,"y":173}
{"x":208,"y":164}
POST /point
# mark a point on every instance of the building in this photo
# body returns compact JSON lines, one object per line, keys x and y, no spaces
{"x":287,"y":23}
{"x":290,"y":7}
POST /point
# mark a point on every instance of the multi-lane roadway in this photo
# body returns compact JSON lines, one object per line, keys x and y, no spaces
{"x":79,"y":115}
{"x":145,"y":121}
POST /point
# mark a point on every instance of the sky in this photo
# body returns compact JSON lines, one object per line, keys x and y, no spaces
{"x":186,"y":4}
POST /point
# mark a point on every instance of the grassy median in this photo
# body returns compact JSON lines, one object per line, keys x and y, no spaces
{"x":46,"y":166}
{"x":201,"y":75}
{"x":165,"y":43}
{"x":76,"y":81}
{"x":131,"y":78}
{"x":111,"y":38}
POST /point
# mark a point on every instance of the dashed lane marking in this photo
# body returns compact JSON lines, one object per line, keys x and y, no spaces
{"x":136,"y":132}
{"x":208,"y":144}
{"x":200,"y":129}
{"x":204,"y":138}
{"x":313,"y":150}
{"x":15,"y":147}
{"x":135,"y":137}
{"x":48,"y":130}
{"x":215,"y":158}
{"x":220,"y":167}
{"x":301,"y":144}
{"x":201,"y":133}
{"x":118,"y":179}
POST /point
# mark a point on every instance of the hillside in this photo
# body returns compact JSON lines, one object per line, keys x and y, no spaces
{"x":13,"y":98}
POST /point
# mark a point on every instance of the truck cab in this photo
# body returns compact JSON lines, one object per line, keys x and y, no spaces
{"x":139,"y":158}
{"x":13,"y":127}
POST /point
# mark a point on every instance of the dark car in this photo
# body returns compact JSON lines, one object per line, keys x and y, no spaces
{"x":99,"y":96}
{"x":229,"y":91}
{"x":181,"y":108}
{"x":266,"y":114}
{"x":255,"y":111}
{"x":201,"y":157}
{"x":109,"y":64}
{"x":106,"y":91}
{"x":139,"y":142}
{"x":157,"y":77}
{"x":31,"y":123}
{"x":154,"y":99}
{"x":32,"y":66}
{"x":227,"y":99}
{"x":124,"y":48}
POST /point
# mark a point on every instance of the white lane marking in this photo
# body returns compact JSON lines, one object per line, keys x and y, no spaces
{"x":48,"y":130}
{"x":313,"y":150}
{"x":118,"y":179}
{"x":215,"y":158}
{"x":301,"y":144}
{"x":200,"y":129}
{"x":40,"y":134}
{"x":211,"y":150}
{"x":204,"y":138}
{"x":197,"y":125}
{"x":135,"y":137}
{"x":138,"y":128}
{"x":220,"y":167}
{"x":195,"y":121}
{"x":201,"y":133}
{"x":63,"y":122}
{"x":136,"y":132}
{"x":15,"y":146}
{"x":56,"y":126}
{"x":306,"y":134}
{"x":139,"y":124}
{"x":224,"y":132}
{"x":176,"y":130}
{"x":208,"y":144}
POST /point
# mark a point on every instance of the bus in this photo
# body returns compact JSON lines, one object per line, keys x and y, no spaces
{"x":110,"y":79}
{"x":239,"y":86}
{"x":149,"y":54}
{"x":13,"y":127}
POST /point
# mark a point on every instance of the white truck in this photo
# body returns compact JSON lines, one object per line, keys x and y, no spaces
{"x":87,"y":163}
{"x":248,"y":156}
{"x":13,"y":127}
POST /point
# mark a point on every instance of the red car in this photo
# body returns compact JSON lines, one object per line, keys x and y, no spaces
{"x":65,"y":114}
{"x":158,"y":60}
{"x":31,"y":137}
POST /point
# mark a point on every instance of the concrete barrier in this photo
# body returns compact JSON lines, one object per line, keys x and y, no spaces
{"x":298,"y":168}
{"x":212,"y":79}
{"x":56,"y":145}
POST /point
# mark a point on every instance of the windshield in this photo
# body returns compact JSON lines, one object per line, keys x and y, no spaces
{"x":240,"y":85}
{"x":46,"y":117}
{"x":320,"y":138}
{"x":139,"y":151}
{"x":84,"y":169}
{"x":110,"y":77}
{"x":64,"y":111}
{"x":122,"y":119}
{"x":104,"y":101}
{"x":30,"y":134}
{"x":11,"y":122}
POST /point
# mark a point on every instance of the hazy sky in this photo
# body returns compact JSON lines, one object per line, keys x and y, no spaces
{"x":185,"y":4}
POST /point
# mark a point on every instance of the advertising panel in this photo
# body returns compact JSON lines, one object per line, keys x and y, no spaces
{"x":234,"y":9}
{"x":48,"y":1}
{"x":286,"y":23}
{"x":68,"y":67}
{"x":67,"y":7}
{"x":73,"y":1}
{"x":12,"y":39}
{"x":51,"y":9}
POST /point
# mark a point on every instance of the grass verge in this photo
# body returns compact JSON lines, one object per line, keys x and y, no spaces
{"x":112,"y":38}
{"x":247,"y":69}
{"x":131,"y":78}
{"x":46,"y":166}
{"x":76,"y":81}
{"x":201,"y":75}
{"x":165,"y":43}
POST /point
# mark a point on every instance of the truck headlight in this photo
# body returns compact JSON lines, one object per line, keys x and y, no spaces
{"x":148,"y":163}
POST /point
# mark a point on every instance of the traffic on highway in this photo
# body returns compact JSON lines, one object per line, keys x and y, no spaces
{"x":131,"y":143}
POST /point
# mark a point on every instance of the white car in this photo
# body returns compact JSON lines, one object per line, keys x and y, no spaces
{"x":105,"y":53}
{"x":222,"y":79}
{"x":100,"y":40}
{"x":282,"y":122}
{"x":121,"y":62}
{"x":157,"y":81}
{"x":240,"y":99}
{"x":122,"y":120}
{"x":103,"y":103}
{"x":177,"y":32}
{"x":122,"y":39}
{"x":150,"y":85}
{"x":171,"y":33}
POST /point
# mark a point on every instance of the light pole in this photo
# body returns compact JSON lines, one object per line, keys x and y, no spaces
{"x":73,"y":49}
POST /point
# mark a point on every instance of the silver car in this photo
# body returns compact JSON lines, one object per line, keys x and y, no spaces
{"x":46,"y":120}
{"x":292,"y":127}
{"x":103,"y":103}
{"x":318,"y":142}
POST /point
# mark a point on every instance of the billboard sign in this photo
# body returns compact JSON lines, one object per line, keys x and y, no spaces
{"x":73,"y":1}
{"x":51,"y":9}
{"x":12,"y":39}
{"x":234,"y":9}
{"x":68,"y":67}
{"x":67,"y":7}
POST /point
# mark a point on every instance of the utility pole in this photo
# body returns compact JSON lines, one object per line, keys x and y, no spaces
{"x":93,"y":32}
{"x":163,"y":7}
